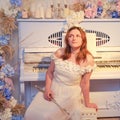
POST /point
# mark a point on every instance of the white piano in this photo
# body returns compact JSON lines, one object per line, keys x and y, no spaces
{"x":39,"y":38}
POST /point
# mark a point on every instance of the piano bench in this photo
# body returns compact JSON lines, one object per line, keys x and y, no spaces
{"x":88,"y":114}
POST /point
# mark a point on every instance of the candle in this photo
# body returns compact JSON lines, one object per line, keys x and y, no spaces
{"x":41,"y":12}
{"x":66,"y":11}
{"x":48,"y":13}
{"x":37,"y":13}
{"x":58,"y":1}
{"x":65,"y":2}
{"x":33,"y":9}
{"x":51,"y":2}
{"x":24,"y":14}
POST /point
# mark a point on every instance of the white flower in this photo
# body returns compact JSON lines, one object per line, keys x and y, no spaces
{"x":11,"y":12}
{"x":13,"y":102}
{"x":6,"y":115}
{"x":74,"y":20}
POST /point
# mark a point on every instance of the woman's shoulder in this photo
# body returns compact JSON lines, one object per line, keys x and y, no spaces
{"x":59,"y":52}
{"x":89,"y":65}
{"x":90,"y":60}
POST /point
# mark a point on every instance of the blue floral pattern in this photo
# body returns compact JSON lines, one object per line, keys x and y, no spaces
{"x":16,"y":2}
{"x":8,"y":70}
{"x":2,"y":61}
{"x":4,"y":39}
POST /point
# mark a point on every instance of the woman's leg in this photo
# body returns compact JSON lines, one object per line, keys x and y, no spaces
{"x":41,"y":109}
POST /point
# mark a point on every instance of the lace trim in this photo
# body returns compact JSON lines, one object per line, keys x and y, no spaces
{"x":75,"y":68}
{"x":88,"y":68}
{"x":53,"y":57}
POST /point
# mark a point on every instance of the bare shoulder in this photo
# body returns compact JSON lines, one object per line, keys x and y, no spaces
{"x":90,"y":59}
{"x":59,"y":52}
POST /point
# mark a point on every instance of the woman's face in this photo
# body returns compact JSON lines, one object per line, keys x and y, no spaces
{"x":74,"y":39}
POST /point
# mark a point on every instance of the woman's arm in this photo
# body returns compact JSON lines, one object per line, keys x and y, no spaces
{"x":85,"y":86}
{"x":85,"y":83}
{"x":49,"y":76}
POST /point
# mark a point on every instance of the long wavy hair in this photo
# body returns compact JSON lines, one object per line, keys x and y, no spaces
{"x":81,"y":56}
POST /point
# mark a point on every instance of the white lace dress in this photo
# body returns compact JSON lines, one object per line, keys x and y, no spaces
{"x":67,"y":93}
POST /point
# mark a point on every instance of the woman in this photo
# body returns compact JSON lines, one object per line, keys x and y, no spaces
{"x":67,"y":80}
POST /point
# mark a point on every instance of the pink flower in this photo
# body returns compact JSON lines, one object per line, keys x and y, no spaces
{"x":91,"y":10}
{"x":118,"y":6}
{"x":100,"y":3}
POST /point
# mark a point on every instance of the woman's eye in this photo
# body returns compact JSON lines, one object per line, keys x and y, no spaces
{"x":77,"y":35}
{"x":70,"y":36}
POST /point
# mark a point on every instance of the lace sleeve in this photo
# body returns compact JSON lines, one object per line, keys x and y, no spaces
{"x":53,"y":57}
{"x":90,"y":64}
{"x":90,"y":68}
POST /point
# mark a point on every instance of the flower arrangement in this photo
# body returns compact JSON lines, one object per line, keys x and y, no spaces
{"x":8,"y":104}
{"x":74,"y":20}
{"x":16,"y":3}
{"x":7,"y":26}
{"x":10,"y":9}
{"x":76,"y":16}
{"x":8,"y":108}
{"x":4,"y":39}
{"x":7,"y":23}
{"x":102,"y":9}
{"x":91,"y":8}
{"x":8,"y":14}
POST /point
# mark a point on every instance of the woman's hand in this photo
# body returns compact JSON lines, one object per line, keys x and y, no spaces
{"x":92,"y":105}
{"x":48,"y":95}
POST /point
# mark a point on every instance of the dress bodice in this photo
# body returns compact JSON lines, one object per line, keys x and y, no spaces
{"x":68,"y":72}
